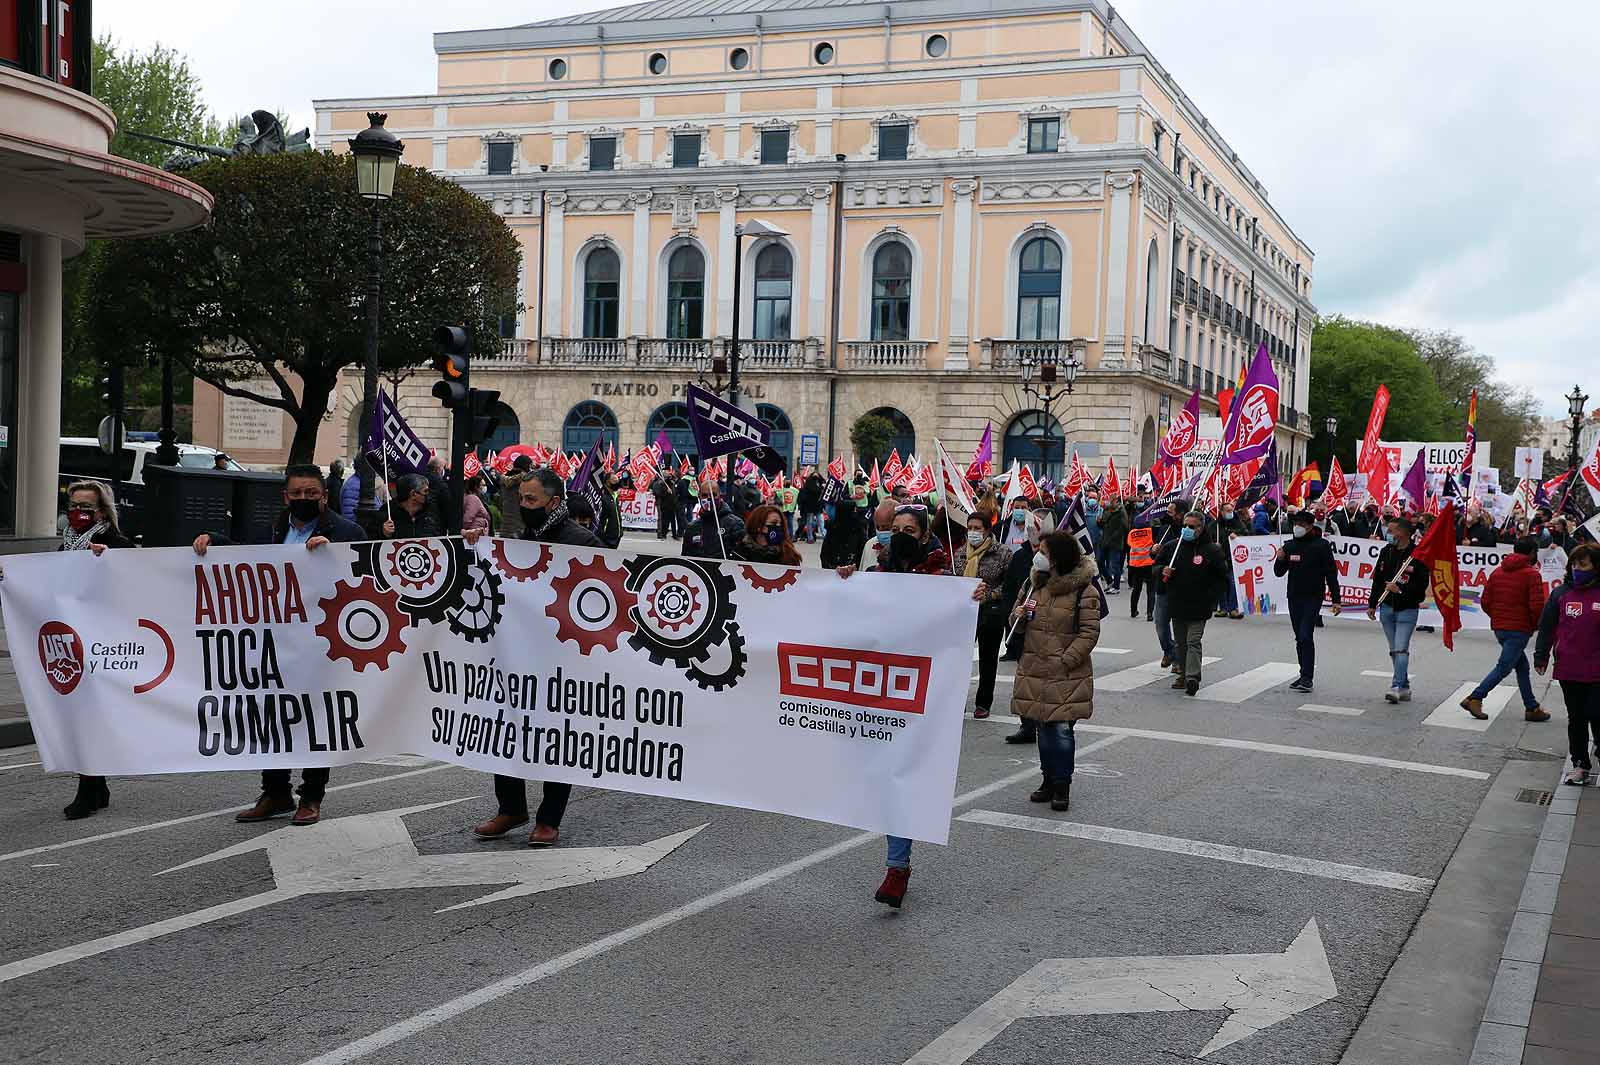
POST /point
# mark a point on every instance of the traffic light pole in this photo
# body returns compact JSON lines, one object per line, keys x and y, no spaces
{"x":460,"y":421}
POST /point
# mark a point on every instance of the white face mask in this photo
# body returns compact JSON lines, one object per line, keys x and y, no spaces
{"x":1041,"y":562}
{"x":1299,"y":531}
{"x":974,"y":538}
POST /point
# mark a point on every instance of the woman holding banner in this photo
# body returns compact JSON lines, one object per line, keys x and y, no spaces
{"x":766,"y":539}
{"x":91,"y":526}
{"x":1570,"y":626}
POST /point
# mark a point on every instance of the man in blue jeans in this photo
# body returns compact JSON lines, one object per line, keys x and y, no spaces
{"x":1513,"y":597}
{"x":1308,"y":560}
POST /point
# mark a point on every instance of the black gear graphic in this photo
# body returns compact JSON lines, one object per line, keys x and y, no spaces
{"x":479,"y":611}
{"x":436,"y":605}
{"x":680,"y":648}
{"x":729,"y":674}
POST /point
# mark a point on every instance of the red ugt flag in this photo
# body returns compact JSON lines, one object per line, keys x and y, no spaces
{"x":1437,"y":551}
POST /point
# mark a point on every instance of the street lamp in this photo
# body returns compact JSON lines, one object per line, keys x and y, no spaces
{"x":377,"y":153}
{"x":1576,"y":405}
{"x":753,"y":228}
{"x":1044,"y":361}
{"x":1331,"y":424}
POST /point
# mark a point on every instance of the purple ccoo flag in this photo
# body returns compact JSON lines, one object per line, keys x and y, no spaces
{"x":390,"y":439}
{"x":663,"y":444}
{"x":586,"y":482}
{"x":1415,"y":484}
{"x":1248,"y":432}
{"x":1075,"y":522}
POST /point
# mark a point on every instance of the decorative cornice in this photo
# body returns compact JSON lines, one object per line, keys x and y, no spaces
{"x":1087,"y":188}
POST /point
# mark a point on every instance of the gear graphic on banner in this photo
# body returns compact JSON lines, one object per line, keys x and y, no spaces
{"x":430,"y":576}
{"x":783,"y":577}
{"x":362,"y":623}
{"x":593,"y":606}
{"x":685,"y":607}
{"x":505,"y":551}
{"x":722,"y":665}
{"x":479,"y":611}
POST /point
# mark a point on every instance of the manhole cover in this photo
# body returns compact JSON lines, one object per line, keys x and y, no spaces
{"x":1535,"y":796}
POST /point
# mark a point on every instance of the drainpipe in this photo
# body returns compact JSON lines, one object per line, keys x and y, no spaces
{"x":833,"y":311}
{"x":600,"y":35}
{"x":538,"y":317}
{"x":888,"y":27}
{"x":761,"y":46}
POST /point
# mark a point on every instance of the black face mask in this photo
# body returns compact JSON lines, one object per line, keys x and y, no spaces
{"x":304,"y":510}
{"x":532,"y":517}
{"x":906,"y":550}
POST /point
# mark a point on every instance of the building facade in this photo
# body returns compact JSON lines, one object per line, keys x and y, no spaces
{"x":958,"y":192}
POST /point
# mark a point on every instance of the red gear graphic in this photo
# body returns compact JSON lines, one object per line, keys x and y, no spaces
{"x":394,"y":553}
{"x":566,"y":586}
{"x":522,"y":573}
{"x":346,"y":593}
{"x":694,"y":604}
{"x":769,"y":584}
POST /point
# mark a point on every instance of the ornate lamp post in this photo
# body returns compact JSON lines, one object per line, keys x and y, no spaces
{"x":1044,"y":362}
{"x":1331,"y":424}
{"x":1576,"y":405}
{"x":377,"y":153}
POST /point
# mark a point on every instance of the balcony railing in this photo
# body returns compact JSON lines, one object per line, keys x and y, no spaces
{"x":686,"y":353}
{"x":1194,"y":292}
{"x":1205,"y":301}
{"x":1152,"y":359}
{"x":513,"y":349}
{"x":1179,"y":284}
{"x":583,"y":351}
{"x":1009,"y":354}
{"x":886,"y":354}
{"x":670,"y":351}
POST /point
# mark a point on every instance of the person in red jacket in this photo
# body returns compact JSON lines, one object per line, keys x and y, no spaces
{"x":1513,"y":597}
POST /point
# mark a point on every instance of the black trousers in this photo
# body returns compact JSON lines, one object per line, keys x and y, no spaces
{"x":313,"y":783}
{"x":1583,"y":716}
{"x":989,"y":639}
{"x":1304,"y":612}
{"x":512,"y":794}
{"x":1139,"y":577}
{"x":666,"y":521}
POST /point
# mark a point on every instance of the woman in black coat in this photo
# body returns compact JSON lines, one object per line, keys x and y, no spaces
{"x":91,"y":526}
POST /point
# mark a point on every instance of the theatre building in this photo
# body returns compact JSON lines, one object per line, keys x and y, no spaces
{"x":958,"y":193}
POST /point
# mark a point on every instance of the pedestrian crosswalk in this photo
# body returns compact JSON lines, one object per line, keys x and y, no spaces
{"x":1126,"y":680}
{"x":1250,"y":683}
{"x":1449,"y":714}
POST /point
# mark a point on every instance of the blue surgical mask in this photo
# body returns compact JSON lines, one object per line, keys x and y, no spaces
{"x":1188,"y":533}
{"x":884,"y":537}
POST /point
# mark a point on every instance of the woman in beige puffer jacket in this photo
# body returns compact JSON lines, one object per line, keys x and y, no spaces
{"x":1055,"y":679}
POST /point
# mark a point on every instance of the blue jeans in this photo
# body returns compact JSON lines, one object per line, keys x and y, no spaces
{"x":899,"y":852}
{"x":1398,"y":625}
{"x":1513,"y":646}
{"x":814,"y":525}
{"x":1303,"y":614}
{"x":1230,"y":595}
{"x":1163,"y":623}
{"x":1109,"y":558}
{"x":1057,"y":748}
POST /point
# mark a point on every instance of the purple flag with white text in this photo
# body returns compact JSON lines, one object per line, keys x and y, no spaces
{"x":1248,"y":432}
{"x":390,"y":439}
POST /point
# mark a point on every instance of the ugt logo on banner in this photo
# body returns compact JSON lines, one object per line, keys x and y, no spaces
{"x":61,"y":655}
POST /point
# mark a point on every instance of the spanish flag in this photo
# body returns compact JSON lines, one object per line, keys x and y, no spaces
{"x":1300,"y":486}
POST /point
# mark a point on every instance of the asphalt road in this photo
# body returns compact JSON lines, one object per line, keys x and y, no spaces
{"x":1206,"y":836}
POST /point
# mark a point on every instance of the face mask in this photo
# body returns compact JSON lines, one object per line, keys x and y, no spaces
{"x":906,"y":549}
{"x":975,"y":539}
{"x":774,"y":536}
{"x":79,"y":519}
{"x":1018,"y":517}
{"x":1188,"y":533}
{"x":1299,"y":532}
{"x":884,"y":538}
{"x":304,"y":510}
{"x":1227,"y":515}
{"x":1041,"y":562}
{"x":1389,"y":536}
{"x":1583,"y":577}
{"x":532,"y":517}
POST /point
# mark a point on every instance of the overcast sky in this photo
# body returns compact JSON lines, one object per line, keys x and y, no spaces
{"x":1440,"y":157}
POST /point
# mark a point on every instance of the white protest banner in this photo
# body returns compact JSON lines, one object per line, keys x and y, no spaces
{"x":1263,"y":592}
{"x":762,"y":687}
{"x":1442,"y":457}
{"x":638,"y":509}
{"x":1530,"y":464}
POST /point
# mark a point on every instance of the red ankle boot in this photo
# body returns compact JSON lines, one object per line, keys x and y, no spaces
{"x":892,"y":891}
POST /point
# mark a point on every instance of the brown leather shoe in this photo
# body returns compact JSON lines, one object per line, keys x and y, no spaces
{"x":498,"y":825}
{"x":1537,"y":714}
{"x":266,"y":807}
{"x":307,"y":813}
{"x":1474,"y":707}
{"x":544,"y":836}
{"x":1178,"y":682}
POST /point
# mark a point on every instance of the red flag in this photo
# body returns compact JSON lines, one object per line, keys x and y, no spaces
{"x":765,"y":487}
{"x":892,"y":468}
{"x":685,"y":467}
{"x":1437,"y":552}
{"x":1338,"y":490}
{"x":1111,"y":486}
{"x":874,"y":479}
{"x":922,"y":483}
{"x":1369,"y":442}
{"x":562,"y":467}
{"x":1029,"y":488}
{"x":1130,"y":486}
{"x":1077,"y":475}
{"x":836,"y":468}
{"x":1590,"y":471}
{"x":471,"y":466}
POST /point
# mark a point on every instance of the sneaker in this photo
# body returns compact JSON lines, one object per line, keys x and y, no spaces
{"x":1536,"y":714}
{"x":1392,"y":695}
{"x":1191,"y":686}
{"x":1474,"y":706}
{"x":980,"y":712}
{"x":892,"y":892}
{"x":1577,"y":776}
{"x":1405,"y":695}
{"x":1300,"y":685}
{"x":1134,"y":613}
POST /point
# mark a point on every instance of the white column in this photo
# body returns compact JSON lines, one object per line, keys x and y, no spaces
{"x":555,"y":262}
{"x":817,"y":283}
{"x":38,"y":437}
{"x":956,"y":357}
{"x":1115,"y":338}
{"x":640,"y":255}
{"x":728,"y":202}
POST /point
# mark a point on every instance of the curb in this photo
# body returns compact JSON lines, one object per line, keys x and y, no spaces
{"x":16,"y":732}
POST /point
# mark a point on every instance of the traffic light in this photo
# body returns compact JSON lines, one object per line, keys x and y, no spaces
{"x":482,"y":403}
{"x":451,"y":362}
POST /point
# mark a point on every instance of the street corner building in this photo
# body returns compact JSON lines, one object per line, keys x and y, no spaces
{"x":59,"y":187}
{"x":963,"y":189}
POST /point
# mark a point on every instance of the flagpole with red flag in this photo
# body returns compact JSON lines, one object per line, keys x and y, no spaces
{"x":1437,"y":551}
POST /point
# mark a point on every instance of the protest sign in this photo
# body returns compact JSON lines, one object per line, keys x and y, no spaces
{"x":762,"y":687}
{"x":638,"y":509}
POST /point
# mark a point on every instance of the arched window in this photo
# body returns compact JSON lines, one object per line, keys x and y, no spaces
{"x":1039,"y":290}
{"x":587,"y":422}
{"x":686,"y":292}
{"x":1152,"y":281}
{"x":774,"y":286}
{"x":672,"y":419}
{"x":508,"y":432}
{"x":903,"y":441}
{"x":782,"y":438}
{"x":602,"y":279}
{"x":1034,"y":439}
{"x":891,"y":292}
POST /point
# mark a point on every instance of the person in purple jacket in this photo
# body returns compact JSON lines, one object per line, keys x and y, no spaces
{"x":1570,"y":626}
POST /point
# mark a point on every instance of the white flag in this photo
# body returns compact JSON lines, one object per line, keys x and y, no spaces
{"x":954,"y":485}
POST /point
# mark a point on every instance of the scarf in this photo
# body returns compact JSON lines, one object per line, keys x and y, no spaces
{"x":553,"y":517}
{"x":71,"y":541}
{"x":975,"y":556}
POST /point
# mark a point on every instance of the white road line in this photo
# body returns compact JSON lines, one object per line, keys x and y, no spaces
{"x":19,"y":765}
{"x":402,"y":1030}
{"x":1250,"y":683}
{"x":1388,"y":674}
{"x":1449,"y":714}
{"x":1113,"y":650}
{"x":1267,"y":748}
{"x":1126,"y":680}
{"x":235,"y":808}
{"x":1355,"y":874}
{"x":1347,"y":711}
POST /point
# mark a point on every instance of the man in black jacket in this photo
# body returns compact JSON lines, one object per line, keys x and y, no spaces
{"x":1351,"y":520}
{"x":714,"y":530}
{"x":545,"y":519}
{"x":307,"y":520}
{"x":664,"y":489}
{"x":1308,"y":560}
{"x":411,"y":516}
{"x":1194,"y":570}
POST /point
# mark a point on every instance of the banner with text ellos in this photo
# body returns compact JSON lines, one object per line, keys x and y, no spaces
{"x":1263,"y":592}
{"x":761,"y":687}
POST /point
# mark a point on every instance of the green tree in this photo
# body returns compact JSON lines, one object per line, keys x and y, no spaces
{"x":1349,"y":360}
{"x":870,"y":435}
{"x":274,"y":286}
{"x":1508,"y":416}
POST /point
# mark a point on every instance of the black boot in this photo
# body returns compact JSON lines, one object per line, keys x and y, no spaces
{"x":92,"y":795}
{"x":1061,"y":794}
{"x":1045,"y":792}
{"x":1026,"y":733}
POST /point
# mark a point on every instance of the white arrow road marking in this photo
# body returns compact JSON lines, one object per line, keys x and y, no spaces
{"x":1258,"y":991}
{"x":1449,"y":714}
{"x":1125,"y":680}
{"x":374,"y":852}
{"x":1355,"y":874}
{"x":1250,"y":683}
